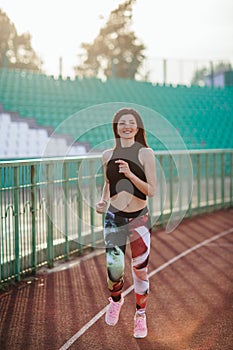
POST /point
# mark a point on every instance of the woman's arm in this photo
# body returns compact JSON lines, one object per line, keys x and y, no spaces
{"x":146,"y":156}
{"x":105,"y":192}
{"x":100,"y":206}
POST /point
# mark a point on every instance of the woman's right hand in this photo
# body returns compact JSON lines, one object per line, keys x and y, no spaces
{"x":100,"y":207}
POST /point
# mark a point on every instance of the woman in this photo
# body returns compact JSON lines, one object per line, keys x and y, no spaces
{"x":130,"y":177}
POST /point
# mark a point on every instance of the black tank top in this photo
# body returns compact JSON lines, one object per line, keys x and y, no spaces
{"x":118,"y":182}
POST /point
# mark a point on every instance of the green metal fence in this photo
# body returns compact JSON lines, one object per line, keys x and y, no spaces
{"x":47,"y":206}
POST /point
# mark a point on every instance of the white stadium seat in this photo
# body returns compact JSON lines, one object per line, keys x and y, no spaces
{"x":19,"y":140}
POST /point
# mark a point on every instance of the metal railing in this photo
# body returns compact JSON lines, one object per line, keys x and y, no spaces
{"x":47,"y":206}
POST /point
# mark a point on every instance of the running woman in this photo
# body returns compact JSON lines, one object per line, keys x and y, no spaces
{"x":130,"y":177}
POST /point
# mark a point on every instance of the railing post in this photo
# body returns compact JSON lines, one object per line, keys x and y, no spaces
{"x":92,"y":198}
{"x":222,"y":179}
{"x":65,"y":189}
{"x":198,"y":184}
{"x":180,"y":191}
{"x":207,"y":180}
{"x":33,"y":213}
{"x":161,"y":157}
{"x":190,"y":184}
{"x":16,"y":223}
{"x":1,"y":225}
{"x":80,"y":207}
{"x":214,"y":179}
{"x":231,"y":178}
{"x":151,"y":206}
{"x":49,"y":211}
{"x":171,"y":182}
{"x":102,"y":182}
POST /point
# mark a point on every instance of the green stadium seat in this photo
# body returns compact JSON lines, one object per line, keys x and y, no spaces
{"x":203,"y":116}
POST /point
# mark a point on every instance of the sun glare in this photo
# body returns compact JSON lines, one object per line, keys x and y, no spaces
{"x":59,"y":27}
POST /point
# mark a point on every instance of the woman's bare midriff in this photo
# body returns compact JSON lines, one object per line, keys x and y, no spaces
{"x":127,"y":202}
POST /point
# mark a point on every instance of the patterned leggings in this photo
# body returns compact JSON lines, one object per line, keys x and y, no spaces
{"x":117,"y":229}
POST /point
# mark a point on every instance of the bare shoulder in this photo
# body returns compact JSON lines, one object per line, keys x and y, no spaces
{"x":146,"y":154}
{"x":107,"y":154}
{"x":146,"y":151}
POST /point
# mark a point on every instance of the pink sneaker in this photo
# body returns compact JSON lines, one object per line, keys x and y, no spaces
{"x":113,"y":312}
{"x":140,"y":327}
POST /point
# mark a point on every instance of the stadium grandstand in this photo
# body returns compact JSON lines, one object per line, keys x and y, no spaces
{"x":34,"y":107}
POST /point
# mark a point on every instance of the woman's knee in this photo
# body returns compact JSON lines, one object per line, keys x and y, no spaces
{"x":115,"y":263}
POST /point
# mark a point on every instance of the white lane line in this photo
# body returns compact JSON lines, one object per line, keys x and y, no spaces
{"x":152,"y":273}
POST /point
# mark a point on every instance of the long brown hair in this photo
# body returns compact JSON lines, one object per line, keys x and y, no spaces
{"x":140,"y":137}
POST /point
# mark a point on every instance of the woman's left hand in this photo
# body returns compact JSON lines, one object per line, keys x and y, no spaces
{"x":124,"y":168}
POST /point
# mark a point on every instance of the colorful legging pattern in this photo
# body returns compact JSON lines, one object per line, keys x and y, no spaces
{"x":116,"y":231}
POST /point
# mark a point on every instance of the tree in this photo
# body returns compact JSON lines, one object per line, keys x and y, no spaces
{"x":16,"y":50}
{"x":200,"y":74}
{"x":116,"y":51}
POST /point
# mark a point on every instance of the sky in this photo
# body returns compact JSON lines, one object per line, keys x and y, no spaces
{"x":173,"y":29}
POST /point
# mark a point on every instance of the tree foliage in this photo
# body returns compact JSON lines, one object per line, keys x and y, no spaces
{"x":16,"y":50}
{"x":116,"y":51}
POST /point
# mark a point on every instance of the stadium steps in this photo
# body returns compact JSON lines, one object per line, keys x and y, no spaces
{"x":23,"y":138}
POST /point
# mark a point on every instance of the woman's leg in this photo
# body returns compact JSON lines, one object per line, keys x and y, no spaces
{"x":115,"y":241}
{"x":115,"y":237}
{"x":140,"y":230}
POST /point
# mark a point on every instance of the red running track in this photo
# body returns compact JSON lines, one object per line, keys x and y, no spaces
{"x":190,"y":305}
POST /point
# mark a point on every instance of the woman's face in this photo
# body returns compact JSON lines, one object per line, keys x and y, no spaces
{"x":127,"y":126}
